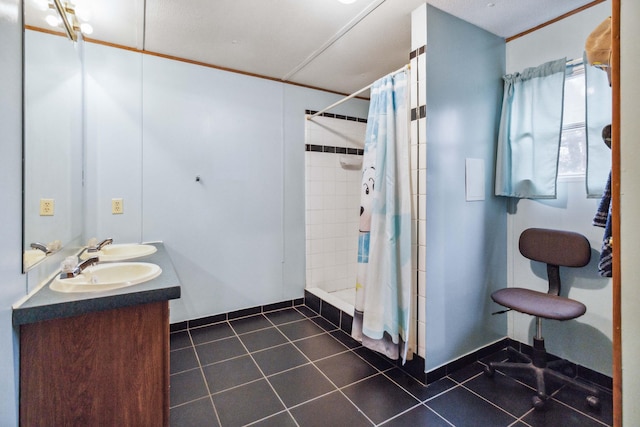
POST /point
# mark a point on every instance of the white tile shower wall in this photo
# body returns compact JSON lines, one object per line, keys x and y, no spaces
{"x":419,"y":163}
{"x":332,"y":204}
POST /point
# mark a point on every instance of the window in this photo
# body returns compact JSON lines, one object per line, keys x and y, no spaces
{"x":573,"y":142}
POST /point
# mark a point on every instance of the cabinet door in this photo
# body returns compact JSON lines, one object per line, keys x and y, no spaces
{"x":103,"y":368}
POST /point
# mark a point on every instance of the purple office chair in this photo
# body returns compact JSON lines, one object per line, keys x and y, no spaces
{"x":555,"y":248}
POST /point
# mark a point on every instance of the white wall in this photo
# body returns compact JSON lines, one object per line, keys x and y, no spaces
{"x":153,"y":125}
{"x":629,"y":208}
{"x":587,"y":340}
{"x":12,"y":282}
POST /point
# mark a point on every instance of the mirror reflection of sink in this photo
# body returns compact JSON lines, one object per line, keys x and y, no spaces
{"x":106,"y":277}
{"x":121,"y":252}
{"x":31,"y":257}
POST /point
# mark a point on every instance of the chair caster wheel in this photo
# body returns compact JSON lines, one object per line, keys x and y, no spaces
{"x":593,"y":402}
{"x":538,"y":402}
{"x":489,"y":371}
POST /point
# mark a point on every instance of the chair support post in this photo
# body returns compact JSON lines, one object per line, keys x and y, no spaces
{"x":539,"y":328}
{"x":553,"y":274}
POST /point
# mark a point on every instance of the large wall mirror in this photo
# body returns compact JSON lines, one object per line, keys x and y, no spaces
{"x":53,"y":141}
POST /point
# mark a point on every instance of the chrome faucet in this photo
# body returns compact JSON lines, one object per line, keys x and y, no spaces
{"x":100,"y":245}
{"x":41,"y":247}
{"x":73,"y":272}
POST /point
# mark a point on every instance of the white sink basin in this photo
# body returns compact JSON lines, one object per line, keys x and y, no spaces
{"x":121,"y":252}
{"x":106,"y":277}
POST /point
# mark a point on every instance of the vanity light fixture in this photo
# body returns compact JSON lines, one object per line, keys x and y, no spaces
{"x":68,"y":19}
{"x":347,"y":1}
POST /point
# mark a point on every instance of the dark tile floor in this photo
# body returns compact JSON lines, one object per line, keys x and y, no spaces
{"x":290,"y":367}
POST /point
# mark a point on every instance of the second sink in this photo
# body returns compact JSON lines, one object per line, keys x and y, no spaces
{"x":121,"y":252}
{"x":106,"y":277}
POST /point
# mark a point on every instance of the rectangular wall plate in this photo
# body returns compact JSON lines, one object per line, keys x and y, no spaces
{"x":47,"y":207}
{"x":117,"y":206}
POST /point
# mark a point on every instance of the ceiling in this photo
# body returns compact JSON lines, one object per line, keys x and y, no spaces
{"x":318,"y":43}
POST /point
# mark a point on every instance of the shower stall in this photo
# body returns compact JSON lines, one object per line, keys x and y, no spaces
{"x":333,"y":158}
{"x":334,"y":153}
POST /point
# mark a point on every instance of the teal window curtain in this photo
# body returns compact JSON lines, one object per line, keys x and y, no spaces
{"x":530,"y":129}
{"x":598,"y":111}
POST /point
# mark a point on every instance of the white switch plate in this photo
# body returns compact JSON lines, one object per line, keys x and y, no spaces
{"x":474,"y":179}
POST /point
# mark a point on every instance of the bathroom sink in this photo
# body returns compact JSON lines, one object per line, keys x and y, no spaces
{"x":121,"y":252}
{"x":106,"y":277}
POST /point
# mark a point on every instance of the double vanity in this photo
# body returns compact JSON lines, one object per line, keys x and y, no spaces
{"x":94,"y":347}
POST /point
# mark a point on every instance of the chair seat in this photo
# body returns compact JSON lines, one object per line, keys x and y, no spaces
{"x":539,"y":304}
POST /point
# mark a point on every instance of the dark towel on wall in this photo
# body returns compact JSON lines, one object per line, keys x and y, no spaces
{"x":603,"y":219}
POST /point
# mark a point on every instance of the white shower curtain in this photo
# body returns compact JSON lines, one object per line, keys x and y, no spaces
{"x":382,"y":318}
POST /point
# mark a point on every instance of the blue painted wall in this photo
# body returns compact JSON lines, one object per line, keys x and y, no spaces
{"x":237,"y":237}
{"x":466,"y":241}
{"x":12,"y":282}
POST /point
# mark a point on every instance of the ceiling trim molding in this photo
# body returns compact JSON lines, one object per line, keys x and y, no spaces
{"x":189,"y":61}
{"x":559,"y":18}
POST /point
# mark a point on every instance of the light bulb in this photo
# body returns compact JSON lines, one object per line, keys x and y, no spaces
{"x":53,"y":20}
{"x":86,"y":28}
{"x":347,"y":1}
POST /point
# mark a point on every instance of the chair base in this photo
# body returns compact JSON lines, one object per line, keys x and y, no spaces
{"x":538,"y":368}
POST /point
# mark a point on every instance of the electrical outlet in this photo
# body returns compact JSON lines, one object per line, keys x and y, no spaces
{"x":47,"y":207}
{"x":117,"y":206}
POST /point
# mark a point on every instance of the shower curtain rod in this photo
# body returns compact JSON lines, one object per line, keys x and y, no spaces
{"x":354,"y":94}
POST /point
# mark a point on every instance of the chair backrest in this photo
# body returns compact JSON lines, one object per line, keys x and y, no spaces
{"x":555,"y":247}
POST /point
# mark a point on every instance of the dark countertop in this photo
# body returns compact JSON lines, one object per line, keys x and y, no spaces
{"x":46,"y":304}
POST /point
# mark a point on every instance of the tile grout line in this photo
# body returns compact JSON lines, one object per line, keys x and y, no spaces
{"x":338,"y":389}
{"x":462,"y":384}
{"x":551,"y":396}
{"x":263,"y":374}
{"x":379,"y":372}
{"x":204,"y":378}
{"x":348,"y":348}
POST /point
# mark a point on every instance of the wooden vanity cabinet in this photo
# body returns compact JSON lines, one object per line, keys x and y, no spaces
{"x":105,"y":368}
